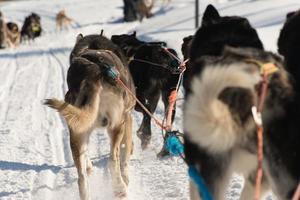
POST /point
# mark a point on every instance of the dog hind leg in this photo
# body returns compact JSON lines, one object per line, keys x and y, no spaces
{"x":116,"y":135}
{"x":127,"y":149}
{"x":79,"y":145}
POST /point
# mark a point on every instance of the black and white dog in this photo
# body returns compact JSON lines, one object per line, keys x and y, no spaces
{"x":221,"y":133}
{"x":32,"y":27}
{"x":155,"y":73}
{"x":215,"y":33}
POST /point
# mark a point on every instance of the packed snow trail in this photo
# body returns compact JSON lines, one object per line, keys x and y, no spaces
{"x":35,"y":159}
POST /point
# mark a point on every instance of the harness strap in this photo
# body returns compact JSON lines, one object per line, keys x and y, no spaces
{"x":198,"y":180}
{"x":297,"y":193}
{"x":266,"y":69}
{"x":118,"y":80}
{"x":151,"y":63}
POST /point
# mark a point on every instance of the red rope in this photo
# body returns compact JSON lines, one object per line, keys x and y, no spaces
{"x":118,"y":80}
{"x":297,"y":193}
{"x":260,"y":156}
{"x":172,"y":101}
{"x":266,"y":70}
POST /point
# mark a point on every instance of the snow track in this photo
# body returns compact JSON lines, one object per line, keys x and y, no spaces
{"x":35,"y":157}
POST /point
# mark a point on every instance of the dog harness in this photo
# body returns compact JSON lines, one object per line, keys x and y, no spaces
{"x":176,"y":148}
{"x":35,"y":28}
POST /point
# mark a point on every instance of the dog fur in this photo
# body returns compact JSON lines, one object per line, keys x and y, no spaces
{"x":93,"y":101}
{"x":221,"y":133}
{"x":215,"y":33}
{"x":62,"y":20}
{"x":32,"y":27}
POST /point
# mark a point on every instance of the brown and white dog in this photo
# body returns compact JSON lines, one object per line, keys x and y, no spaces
{"x":95,"y":100}
{"x":12,"y":34}
{"x":9,"y":33}
{"x":62,"y":20}
{"x":220,"y":130}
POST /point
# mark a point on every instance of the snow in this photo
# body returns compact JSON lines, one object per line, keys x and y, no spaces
{"x":35,"y":159}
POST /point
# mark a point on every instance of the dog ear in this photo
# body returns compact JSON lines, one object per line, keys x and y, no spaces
{"x":101,"y":34}
{"x":79,"y":37}
{"x":134,"y":33}
{"x":188,"y":38}
{"x":289,"y":15}
{"x":210,"y":16}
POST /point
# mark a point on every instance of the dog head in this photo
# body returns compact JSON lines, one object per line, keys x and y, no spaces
{"x":13,"y":27}
{"x":288,"y":43}
{"x":35,"y":17}
{"x":127,"y":42}
{"x":217,"y":31}
{"x":185,"y":47}
{"x":159,"y":55}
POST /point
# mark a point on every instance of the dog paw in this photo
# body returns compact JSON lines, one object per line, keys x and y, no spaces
{"x":145,"y":139}
{"x":120,"y":193}
{"x":163,"y":153}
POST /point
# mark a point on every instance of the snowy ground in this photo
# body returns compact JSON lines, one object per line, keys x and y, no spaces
{"x":35,"y":158}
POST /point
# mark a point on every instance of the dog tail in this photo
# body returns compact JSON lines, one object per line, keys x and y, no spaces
{"x":79,"y":119}
{"x":209,"y":119}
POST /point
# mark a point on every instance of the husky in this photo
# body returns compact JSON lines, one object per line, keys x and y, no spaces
{"x":62,"y":20}
{"x":95,"y":100}
{"x":221,"y":132}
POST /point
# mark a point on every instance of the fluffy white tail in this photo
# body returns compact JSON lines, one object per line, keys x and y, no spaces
{"x":208,"y":121}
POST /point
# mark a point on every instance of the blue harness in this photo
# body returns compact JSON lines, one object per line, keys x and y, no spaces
{"x":176,"y":148}
{"x":198,"y":180}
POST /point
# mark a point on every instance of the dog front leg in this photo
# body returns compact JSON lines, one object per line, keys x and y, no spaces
{"x":145,"y":128}
{"x":116,"y":136}
{"x":249,"y":187}
{"x":79,"y":151}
